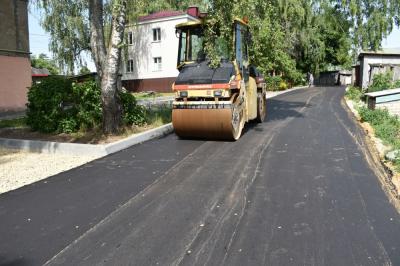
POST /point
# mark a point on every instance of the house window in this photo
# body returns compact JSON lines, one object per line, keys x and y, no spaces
{"x":129,"y":66}
{"x":130,"y":38}
{"x":156,"y":35}
{"x":157,"y":64}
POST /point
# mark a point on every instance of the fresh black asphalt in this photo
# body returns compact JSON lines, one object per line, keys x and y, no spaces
{"x":295,"y":190}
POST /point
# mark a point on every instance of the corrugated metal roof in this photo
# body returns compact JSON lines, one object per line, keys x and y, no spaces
{"x":384,"y":51}
{"x":40,"y":71}
{"x":384,"y":92}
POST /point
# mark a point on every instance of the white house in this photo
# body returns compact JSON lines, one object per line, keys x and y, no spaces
{"x":373,"y":62}
{"x":150,"y":60}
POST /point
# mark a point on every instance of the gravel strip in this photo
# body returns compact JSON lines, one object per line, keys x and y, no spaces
{"x":18,"y":169}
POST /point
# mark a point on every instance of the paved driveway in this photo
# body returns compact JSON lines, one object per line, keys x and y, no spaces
{"x":295,"y":190}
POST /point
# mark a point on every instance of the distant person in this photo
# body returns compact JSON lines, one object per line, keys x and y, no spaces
{"x":310,"y":79}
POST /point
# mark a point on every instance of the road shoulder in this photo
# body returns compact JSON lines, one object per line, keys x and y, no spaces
{"x":376,"y":150}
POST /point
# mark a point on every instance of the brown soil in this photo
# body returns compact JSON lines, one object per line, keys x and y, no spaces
{"x":89,"y":137}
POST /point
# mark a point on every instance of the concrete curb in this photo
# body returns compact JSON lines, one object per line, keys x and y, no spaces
{"x":87,"y":149}
{"x":272,"y":94}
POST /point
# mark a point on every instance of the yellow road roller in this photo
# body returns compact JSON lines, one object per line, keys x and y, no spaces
{"x":215,"y":103}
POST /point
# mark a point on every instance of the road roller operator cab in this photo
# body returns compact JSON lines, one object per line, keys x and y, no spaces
{"x":211,"y":102}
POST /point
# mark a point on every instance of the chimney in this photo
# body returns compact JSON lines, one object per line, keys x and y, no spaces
{"x":193,"y":11}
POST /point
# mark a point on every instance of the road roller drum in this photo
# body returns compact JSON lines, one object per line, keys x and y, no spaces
{"x":215,"y":103}
{"x":225,"y":122}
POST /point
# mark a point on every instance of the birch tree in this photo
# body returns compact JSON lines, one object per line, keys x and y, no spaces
{"x":79,"y":25}
{"x":112,"y":109}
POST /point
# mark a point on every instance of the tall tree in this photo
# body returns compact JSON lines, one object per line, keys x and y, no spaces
{"x":97,"y":26}
{"x":112,"y":109}
{"x":306,"y":35}
{"x":79,"y":25}
{"x":371,"y":20}
{"x":42,"y":61}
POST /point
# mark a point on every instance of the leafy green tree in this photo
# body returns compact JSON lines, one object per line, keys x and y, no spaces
{"x":84,"y":70}
{"x":42,"y":61}
{"x":96,"y":26}
{"x":292,"y":36}
{"x":77,"y":26}
{"x":372,"y":19}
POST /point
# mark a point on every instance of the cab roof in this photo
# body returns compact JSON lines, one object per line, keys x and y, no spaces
{"x":189,"y":24}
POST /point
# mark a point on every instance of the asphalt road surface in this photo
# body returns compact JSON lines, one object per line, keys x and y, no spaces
{"x":294,"y":190}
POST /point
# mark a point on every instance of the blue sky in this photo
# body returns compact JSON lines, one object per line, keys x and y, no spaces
{"x":39,"y":39}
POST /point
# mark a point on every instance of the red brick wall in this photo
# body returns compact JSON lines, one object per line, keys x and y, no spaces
{"x":15,"y":78}
{"x":158,"y":85}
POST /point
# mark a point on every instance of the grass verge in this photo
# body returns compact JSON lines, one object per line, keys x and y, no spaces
{"x":149,"y":95}
{"x":154,"y":117}
{"x":386,"y":127}
{"x":354,"y":93}
{"x":15,"y":123}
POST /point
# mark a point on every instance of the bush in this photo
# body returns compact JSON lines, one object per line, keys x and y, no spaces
{"x":273,"y":83}
{"x":354,"y":93}
{"x":383,"y":81}
{"x":134,"y":114}
{"x":283,"y":85}
{"x":58,"y":105}
{"x":298,"y":79}
{"x":45,"y":103}
{"x":396,"y":84}
{"x":87,"y":110}
{"x":386,"y":126}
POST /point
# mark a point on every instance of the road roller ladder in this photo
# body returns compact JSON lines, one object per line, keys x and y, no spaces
{"x":215,"y":103}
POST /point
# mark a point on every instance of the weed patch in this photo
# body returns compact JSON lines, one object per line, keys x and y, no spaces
{"x":386,"y":127}
{"x":354,"y":93}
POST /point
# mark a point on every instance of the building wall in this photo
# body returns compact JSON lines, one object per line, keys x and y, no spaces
{"x":158,"y":84}
{"x":15,"y":78}
{"x":15,"y":69}
{"x":368,"y":60}
{"x":393,"y":107}
{"x":143,"y":50}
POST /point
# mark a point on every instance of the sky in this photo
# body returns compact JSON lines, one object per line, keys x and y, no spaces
{"x":393,"y":40}
{"x":39,"y":39}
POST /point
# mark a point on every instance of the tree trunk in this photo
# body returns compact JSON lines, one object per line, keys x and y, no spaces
{"x":97,"y":43}
{"x":112,"y":109}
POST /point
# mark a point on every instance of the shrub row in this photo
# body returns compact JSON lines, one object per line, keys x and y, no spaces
{"x":275,"y":83}
{"x":386,"y":126}
{"x":58,"y":105}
